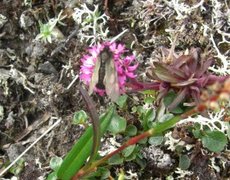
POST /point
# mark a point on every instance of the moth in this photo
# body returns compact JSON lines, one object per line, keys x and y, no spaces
{"x":105,"y":75}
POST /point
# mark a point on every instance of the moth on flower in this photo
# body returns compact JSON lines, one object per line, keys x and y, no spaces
{"x":105,"y":69}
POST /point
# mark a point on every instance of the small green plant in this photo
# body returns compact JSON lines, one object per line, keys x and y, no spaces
{"x":48,"y":31}
{"x":18,"y":167}
{"x":80,"y":117}
{"x":210,"y":137}
{"x":55,"y":164}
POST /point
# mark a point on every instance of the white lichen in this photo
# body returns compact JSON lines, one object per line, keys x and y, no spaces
{"x":214,"y":122}
{"x":109,"y":146}
{"x":28,"y":3}
{"x":219,"y":26}
{"x":92,"y":24}
{"x":224,"y":68}
{"x":182,"y":9}
{"x":150,"y":12}
{"x":183,"y":173}
{"x":131,"y":175}
{"x":213,"y":165}
{"x":172,"y":143}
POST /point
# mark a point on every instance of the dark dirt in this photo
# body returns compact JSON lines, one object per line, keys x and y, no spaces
{"x":28,"y":113}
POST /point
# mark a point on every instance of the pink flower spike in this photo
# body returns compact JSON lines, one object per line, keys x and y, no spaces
{"x":117,"y":49}
{"x":89,"y":62}
{"x":130,"y":75}
{"x":132,"y":68}
{"x":112,"y":47}
{"x":129,"y":60}
{"x":94,"y":51}
{"x":124,"y":65}
{"x":121,"y":48}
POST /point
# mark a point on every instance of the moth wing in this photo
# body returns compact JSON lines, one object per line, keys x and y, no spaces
{"x":94,"y":79}
{"x":111,"y":80}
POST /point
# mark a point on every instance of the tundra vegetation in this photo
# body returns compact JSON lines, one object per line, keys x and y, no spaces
{"x":114,"y":89}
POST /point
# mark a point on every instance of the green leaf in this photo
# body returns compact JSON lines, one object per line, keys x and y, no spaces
{"x":149,"y":100}
{"x":177,"y":110}
{"x":115,"y":160}
{"x":149,"y":92}
{"x":214,"y":140}
{"x":134,"y":109}
{"x":184,"y":162}
{"x":165,"y":117}
{"x":52,"y":176}
{"x":161,"y":127}
{"x":143,"y":141}
{"x":141,"y":162}
{"x":18,"y":167}
{"x":105,"y":173}
{"x":150,"y":115}
{"x":127,"y":151}
{"x":156,"y":140}
{"x":148,"y":118}
{"x":197,"y":133}
{"x":140,"y":110}
{"x":80,"y":117}
{"x":82,"y":149}
{"x":131,"y":157}
{"x":100,"y":173}
{"x":121,"y":175}
{"x":55,"y":163}
{"x":179,"y":149}
{"x":122,"y":101}
{"x":168,"y":99}
{"x":117,"y":125}
{"x":131,"y":130}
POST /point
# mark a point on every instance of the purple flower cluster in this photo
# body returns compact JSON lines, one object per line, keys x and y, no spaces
{"x":187,"y":75}
{"x":125,"y":65}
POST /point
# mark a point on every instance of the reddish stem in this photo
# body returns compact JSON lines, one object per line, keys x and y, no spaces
{"x":130,"y":142}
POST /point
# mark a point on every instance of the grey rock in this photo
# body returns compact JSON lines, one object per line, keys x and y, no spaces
{"x":47,"y":68}
{"x":36,"y":50}
{"x":14,"y":151}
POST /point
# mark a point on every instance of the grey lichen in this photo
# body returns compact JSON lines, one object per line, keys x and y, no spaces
{"x":157,"y":157}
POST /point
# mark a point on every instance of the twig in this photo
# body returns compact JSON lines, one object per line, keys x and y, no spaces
{"x":33,"y":126}
{"x":72,"y":82}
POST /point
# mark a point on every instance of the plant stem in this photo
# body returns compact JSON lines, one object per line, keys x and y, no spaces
{"x":157,"y":129}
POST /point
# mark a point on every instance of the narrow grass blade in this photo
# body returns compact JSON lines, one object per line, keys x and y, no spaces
{"x":82,"y":149}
